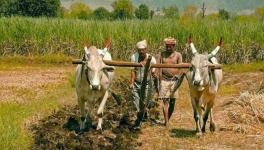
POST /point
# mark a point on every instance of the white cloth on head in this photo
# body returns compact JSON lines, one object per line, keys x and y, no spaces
{"x":142,"y":44}
{"x":170,"y":40}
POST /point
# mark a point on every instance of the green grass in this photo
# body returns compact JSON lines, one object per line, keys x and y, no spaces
{"x":43,"y":59}
{"x":124,"y":72}
{"x":239,"y":68}
{"x":13,"y":136}
{"x":13,"y":116}
{"x":228,"y":90}
{"x":23,"y":62}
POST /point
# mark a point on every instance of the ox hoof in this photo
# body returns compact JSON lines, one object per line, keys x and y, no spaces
{"x":82,"y":128}
{"x":199,"y":134}
{"x":99,"y":128}
{"x":136,"y":128}
{"x":212,"y":127}
{"x":203,"y":129}
{"x":80,"y":132}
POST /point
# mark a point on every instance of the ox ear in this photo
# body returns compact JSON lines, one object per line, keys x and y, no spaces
{"x":215,"y":51}
{"x":194,"y":51}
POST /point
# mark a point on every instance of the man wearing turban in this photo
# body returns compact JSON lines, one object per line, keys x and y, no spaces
{"x":137,"y":73}
{"x":170,"y":78}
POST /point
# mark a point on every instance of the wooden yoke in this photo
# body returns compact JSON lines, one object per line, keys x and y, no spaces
{"x":132,"y":64}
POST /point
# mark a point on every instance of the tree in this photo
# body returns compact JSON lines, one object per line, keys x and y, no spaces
{"x":190,"y":11}
{"x":123,"y":9}
{"x":224,"y":14}
{"x":79,"y":10}
{"x":8,"y":7}
{"x":203,"y":10}
{"x":101,"y":13}
{"x":36,"y":8}
{"x":171,"y":12}
{"x":152,"y":12}
{"x":212,"y":16}
{"x":62,"y":11}
{"x":259,"y":13}
{"x":142,"y":12}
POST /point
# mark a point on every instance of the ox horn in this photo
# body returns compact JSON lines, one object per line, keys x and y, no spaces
{"x":107,"y":43}
{"x":194,"y":51}
{"x":215,"y":51}
{"x":84,"y":58}
{"x":86,"y":50}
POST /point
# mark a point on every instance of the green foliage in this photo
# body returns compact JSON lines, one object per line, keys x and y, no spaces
{"x":223,"y":14}
{"x":245,"y":18}
{"x":190,"y":11}
{"x":259,"y":12}
{"x":142,"y":12}
{"x":61,"y":12}
{"x":79,"y":10}
{"x":8,"y":7}
{"x":101,"y":13}
{"x":14,"y":116}
{"x":123,"y":9}
{"x":152,"y":12}
{"x":33,"y":8}
{"x":171,"y":12}
{"x":43,"y":59}
{"x":243,"y":42}
{"x":239,"y":68}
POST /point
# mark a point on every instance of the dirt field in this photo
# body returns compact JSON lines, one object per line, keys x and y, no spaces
{"x":229,"y":135}
{"x":17,"y":83}
{"x":59,"y":130}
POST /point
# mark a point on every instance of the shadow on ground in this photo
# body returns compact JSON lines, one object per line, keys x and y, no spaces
{"x":182,"y":133}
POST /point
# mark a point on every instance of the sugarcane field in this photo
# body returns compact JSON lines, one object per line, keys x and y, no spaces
{"x":128,"y":74}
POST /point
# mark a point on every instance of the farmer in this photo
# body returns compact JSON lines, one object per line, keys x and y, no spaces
{"x":137,"y":74}
{"x":170,"y":78}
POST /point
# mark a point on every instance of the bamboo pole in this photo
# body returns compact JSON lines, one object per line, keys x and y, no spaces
{"x":131,"y":64}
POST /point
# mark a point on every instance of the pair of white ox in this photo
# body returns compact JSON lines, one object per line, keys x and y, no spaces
{"x":203,"y":83}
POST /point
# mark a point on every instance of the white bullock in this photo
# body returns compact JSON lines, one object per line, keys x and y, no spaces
{"x":93,"y":79}
{"x":204,"y":84}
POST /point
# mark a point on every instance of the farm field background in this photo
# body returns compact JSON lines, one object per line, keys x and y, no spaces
{"x":37,"y":81}
{"x":38,"y":99}
{"x":243,"y":38}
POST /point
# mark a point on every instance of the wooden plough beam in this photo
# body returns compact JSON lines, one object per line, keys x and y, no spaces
{"x":131,"y":64}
